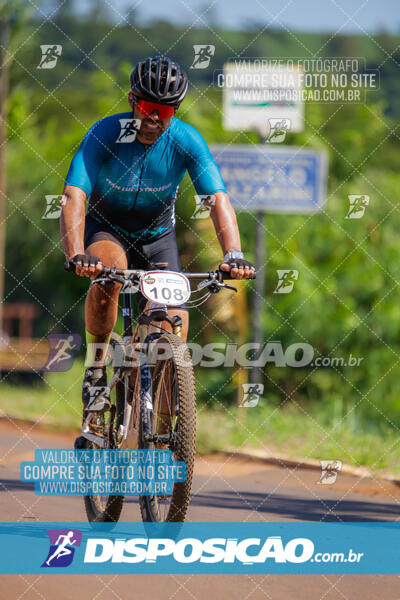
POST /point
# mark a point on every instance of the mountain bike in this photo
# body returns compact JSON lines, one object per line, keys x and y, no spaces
{"x":152,"y":402}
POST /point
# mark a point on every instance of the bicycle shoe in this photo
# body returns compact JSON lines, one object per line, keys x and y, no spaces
{"x":95,"y":392}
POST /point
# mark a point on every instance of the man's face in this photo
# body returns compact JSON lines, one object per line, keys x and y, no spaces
{"x":151,"y":126}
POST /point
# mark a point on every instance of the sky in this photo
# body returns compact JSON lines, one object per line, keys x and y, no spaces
{"x":347,"y":16}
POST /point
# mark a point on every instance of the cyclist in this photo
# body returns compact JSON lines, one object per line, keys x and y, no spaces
{"x":131,"y":175}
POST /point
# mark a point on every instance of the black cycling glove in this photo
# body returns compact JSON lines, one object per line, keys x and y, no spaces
{"x":235,"y":259}
{"x":238,"y":263}
{"x":83,"y":260}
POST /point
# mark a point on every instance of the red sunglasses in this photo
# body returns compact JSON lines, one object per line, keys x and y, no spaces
{"x":147,"y":108}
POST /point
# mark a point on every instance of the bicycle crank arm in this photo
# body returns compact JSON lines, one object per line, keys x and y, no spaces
{"x":86,"y":433}
{"x":92,"y":437}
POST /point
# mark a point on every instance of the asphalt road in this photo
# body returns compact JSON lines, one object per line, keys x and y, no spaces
{"x":225,"y":489}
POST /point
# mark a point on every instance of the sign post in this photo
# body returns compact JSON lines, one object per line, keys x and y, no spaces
{"x":258,"y":297}
{"x":4,"y":76}
{"x":256,"y":374}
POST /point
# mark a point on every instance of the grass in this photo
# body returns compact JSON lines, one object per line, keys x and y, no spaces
{"x":299,"y":434}
{"x":55,"y":401}
{"x":291,"y":431}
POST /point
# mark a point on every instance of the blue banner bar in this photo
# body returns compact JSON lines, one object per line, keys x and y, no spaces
{"x":215,"y":548}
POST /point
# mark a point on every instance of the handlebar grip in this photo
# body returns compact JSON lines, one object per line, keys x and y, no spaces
{"x":225,"y":276}
{"x":69,"y":266}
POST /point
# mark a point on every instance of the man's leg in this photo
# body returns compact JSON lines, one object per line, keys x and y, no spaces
{"x":101,"y":310}
{"x":101,"y":307}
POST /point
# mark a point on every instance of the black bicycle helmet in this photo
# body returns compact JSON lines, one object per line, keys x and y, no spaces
{"x":161,"y":80}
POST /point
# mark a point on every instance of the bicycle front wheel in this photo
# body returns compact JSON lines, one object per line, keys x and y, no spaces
{"x":170,"y":422}
{"x":107,"y":508}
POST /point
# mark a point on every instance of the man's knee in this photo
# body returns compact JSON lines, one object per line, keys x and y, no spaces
{"x":110,"y":254}
{"x":104,"y":293}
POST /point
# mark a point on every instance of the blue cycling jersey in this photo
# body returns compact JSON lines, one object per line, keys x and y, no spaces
{"x":132,"y":186}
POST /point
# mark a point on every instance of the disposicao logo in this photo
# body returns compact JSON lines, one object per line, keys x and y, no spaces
{"x":190,"y":550}
{"x":62,"y":547}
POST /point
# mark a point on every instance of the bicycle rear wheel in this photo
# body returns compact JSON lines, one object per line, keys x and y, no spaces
{"x":172,"y":422}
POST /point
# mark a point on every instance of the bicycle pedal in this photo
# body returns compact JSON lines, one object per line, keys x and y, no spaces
{"x":94,"y":437}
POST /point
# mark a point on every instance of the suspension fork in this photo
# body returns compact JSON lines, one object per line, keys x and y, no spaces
{"x":158,"y":313}
{"x":177,"y":325}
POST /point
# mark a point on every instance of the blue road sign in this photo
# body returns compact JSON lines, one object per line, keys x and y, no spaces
{"x":285,"y":179}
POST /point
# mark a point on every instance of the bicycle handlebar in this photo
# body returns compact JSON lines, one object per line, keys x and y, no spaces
{"x":131,"y":273}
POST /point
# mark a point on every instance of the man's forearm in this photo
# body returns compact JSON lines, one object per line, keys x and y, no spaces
{"x":72,"y":221}
{"x":225,"y":223}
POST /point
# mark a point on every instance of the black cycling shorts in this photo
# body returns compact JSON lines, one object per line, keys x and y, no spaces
{"x":140,"y":255}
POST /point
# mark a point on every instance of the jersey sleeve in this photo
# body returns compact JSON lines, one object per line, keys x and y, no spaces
{"x":90,"y":156}
{"x":200,"y":164}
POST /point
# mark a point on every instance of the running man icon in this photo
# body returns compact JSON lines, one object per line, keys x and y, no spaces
{"x":286,"y":280}
{"x":54,"y":204}
{"x":358,"y":204}
{"x":129,"y":129}
{"x":61,"y":551}
{"x":61,"y":351}
{"x":251,"y":395}
{"x":329,"y":471}
{"x":278,"y":130}
{"x":50,"y":55}
{"x":202,"y":56}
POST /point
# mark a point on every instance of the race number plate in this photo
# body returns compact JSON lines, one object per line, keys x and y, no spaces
{"x":165,"y":287}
